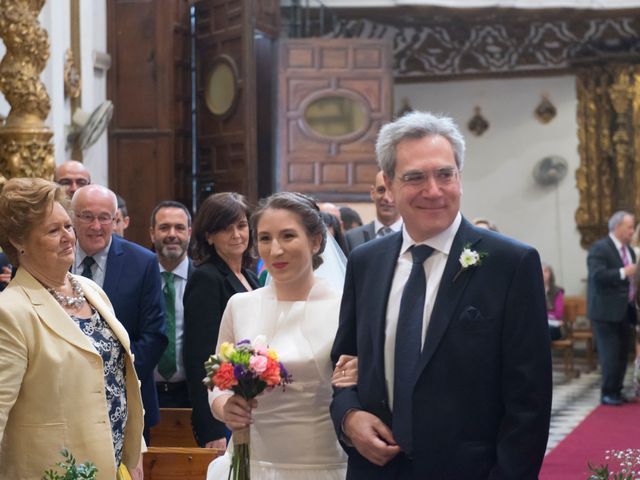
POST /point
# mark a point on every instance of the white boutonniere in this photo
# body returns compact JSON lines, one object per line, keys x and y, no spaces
{"x":469,"y":258}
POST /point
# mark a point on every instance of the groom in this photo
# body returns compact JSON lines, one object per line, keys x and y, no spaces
{"x":450,"y":328}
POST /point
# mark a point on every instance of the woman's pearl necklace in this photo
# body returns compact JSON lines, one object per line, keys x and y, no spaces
{"x":75,"y":301}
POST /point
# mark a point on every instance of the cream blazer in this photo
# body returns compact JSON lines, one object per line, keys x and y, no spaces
{"x":52,"y":385}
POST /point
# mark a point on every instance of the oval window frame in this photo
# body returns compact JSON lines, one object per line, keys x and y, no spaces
{"x":358,"y":99}
{"x":227,"y":61}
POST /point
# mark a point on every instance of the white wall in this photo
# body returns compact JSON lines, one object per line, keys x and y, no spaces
{"x":55,"y":19}
{"x":497,"y":180}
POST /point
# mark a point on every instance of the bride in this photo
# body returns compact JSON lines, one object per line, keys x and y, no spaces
{"x":292,"y":437}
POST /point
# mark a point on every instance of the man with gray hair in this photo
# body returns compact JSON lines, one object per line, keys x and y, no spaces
{"x":130,"y":277}
{"x":612,"y":265}
{"x":449,"y":325}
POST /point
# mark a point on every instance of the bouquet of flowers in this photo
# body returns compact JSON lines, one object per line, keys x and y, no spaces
{"x":247,"y":369}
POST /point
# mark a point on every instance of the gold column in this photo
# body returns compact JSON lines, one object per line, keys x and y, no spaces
{"x":608,"y":178}
{"x":25,"y":148}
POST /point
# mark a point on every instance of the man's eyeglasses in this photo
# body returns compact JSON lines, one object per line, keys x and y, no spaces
{"x":442,"y":176}
{"x":88,"y":218}
{"x":79,"y":182}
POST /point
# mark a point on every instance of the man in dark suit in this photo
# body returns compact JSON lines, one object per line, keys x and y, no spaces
{"x":129,"y":275}
{"x":170,"y":233}
{"x":612,"y":266}
{"x":453,"y":351}
{"x":387,"y":217}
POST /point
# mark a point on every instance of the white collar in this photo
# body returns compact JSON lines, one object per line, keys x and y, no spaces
{"x":182,"y":270}
{"x":441,"y":242}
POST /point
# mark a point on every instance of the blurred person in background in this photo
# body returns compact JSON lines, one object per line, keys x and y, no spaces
{"x":122,"y":217}
{"x":71,"y":175}
{"x":350,"y":218}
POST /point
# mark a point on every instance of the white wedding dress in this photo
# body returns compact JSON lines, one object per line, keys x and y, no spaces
{"x":292,"y":437}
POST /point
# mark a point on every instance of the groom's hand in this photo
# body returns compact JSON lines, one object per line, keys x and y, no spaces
{"x":370,"y":436}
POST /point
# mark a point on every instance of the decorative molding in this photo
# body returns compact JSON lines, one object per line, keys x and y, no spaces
{"x":608,"y":178}
{"x":431,"y":43}
{"x":478,"y":124}
{"x":25,"y":148}
{"x":72,"y":81}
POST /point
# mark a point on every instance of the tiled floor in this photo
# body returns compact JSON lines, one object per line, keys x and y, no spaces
{"x":573,"y":400}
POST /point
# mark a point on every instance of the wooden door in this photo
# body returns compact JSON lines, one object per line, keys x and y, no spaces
{"x":334,"y":95}
{"x":235,"y":43}
{"x":149,"y":136}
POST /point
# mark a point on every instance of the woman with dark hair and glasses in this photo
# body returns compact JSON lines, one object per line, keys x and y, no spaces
{"x":221,"y":252}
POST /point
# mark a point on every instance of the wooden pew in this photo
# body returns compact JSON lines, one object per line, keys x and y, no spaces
{"x":565,"y":344}
{"x":174,"y":429}
{"x":578,"y":306}
{"x":175,"y":463}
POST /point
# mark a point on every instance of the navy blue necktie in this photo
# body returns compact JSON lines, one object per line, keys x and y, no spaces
{"x":87,"y":263}
{"x":408,"y":347}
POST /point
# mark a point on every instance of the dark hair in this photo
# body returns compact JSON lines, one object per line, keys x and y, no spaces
{"x":216,"y":213}
{"x":25,"y":203}
{"x":331,"y":221}
{"x":122,"y":206}
{"x":350,"y":218}
{"x":169,"y":204}
{"x":303,"y":206}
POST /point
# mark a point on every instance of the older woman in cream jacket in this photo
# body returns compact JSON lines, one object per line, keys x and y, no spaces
{"x":67,"y":378}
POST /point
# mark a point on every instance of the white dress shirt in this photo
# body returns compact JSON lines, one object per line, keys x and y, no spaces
{"x":618,"y":245}
{"x":434,"y":268}
{"x":180,"y":274}
{"x":98,"y":269}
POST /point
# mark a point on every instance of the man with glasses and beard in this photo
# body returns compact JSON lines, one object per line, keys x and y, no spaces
{"x":170,"y":233}
{"x":128,"y":273}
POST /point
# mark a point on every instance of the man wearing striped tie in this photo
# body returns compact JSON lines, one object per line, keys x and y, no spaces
{"x":387,"y":217}
{"x":612,"y":267}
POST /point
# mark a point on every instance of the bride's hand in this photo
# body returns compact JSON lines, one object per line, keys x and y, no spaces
{"x":346,"y":372}
{"x":237,"y":412}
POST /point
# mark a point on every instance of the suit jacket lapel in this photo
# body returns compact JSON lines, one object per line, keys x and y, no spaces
{"x":369,"y":233}
{"x":115,"y":262}
{"x":51,"y":313}
{"x":379,"y":287}
{"x":449,"y":292}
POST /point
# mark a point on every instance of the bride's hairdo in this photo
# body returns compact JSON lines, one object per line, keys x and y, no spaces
{"x":302,"y":205}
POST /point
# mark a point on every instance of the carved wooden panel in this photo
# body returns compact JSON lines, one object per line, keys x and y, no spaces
{"x":433,"y":43}
{"x":149,"y":148}
{"x":608,"y":178}
{"x":228,"y":157}
{"x":320,"y":154}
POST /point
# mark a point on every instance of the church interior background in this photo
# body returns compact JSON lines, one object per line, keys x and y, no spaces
{"x":214,"y":95}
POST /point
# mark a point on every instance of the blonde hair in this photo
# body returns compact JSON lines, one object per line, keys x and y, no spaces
{"x":24,"y":203}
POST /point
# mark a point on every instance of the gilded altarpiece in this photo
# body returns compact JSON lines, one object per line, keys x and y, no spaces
{"x":608,"y":178}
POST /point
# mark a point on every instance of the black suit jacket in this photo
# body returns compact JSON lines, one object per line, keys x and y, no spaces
{"x":132,"y":283}
{"x":359,"y":235}
{"x":206,"y":295}
{"x":608,"y":294}
{"x":482,"y":397}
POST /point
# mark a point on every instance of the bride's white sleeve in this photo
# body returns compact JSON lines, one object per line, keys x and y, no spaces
{"x":225,"y":334}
